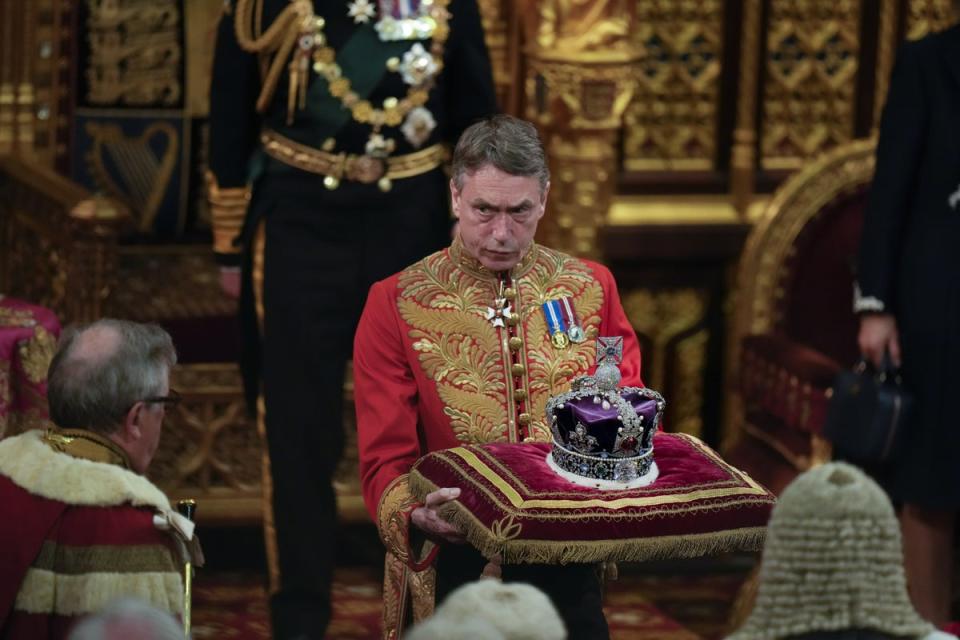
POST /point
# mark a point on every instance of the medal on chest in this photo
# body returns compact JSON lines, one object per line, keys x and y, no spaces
{"x":562,"y":323}
{"x":501,"y":311}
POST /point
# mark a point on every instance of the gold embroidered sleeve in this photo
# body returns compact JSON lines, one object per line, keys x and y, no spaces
{"x":228,"y":209}
{"x":393,"y":517}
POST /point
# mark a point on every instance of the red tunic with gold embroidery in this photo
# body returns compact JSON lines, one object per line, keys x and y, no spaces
{"x":433,"y":372}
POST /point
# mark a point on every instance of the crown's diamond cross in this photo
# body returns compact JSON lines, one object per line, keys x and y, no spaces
{"x":610,"y":350}
{"x":500,"y":312}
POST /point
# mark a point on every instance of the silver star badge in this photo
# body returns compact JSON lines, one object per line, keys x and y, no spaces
{"x":501,"y":313}
{"x":361,"y":11}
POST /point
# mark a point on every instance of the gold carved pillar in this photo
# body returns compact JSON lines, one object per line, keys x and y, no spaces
{"x":35,"y":72}
{"x":743,"y":159}
{"x":580,"y":66}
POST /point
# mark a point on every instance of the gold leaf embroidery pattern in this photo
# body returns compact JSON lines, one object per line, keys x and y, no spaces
{"x":391,"y":516}
{"x":457,"y":347}
{"x":551,"y":370}
{"x":462,"y":353}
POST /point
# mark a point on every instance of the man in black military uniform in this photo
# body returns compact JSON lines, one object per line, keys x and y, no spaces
{"x":337,"y":115}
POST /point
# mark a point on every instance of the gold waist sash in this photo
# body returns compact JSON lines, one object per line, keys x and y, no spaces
{"x":365,"y":169}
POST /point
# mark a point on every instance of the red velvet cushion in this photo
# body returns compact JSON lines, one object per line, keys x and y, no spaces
{"x":513,"y":504}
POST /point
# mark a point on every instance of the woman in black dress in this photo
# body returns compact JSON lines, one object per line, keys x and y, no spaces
{"x":909,"y":299}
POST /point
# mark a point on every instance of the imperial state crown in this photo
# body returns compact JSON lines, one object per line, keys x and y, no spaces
{"x":602,"y":432}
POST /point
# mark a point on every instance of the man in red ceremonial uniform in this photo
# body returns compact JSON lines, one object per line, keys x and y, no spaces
{"x":79,"y":524}
{"x":466,"y":346}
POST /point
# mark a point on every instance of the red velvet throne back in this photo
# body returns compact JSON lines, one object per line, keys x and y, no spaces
{"x":794,"y":326}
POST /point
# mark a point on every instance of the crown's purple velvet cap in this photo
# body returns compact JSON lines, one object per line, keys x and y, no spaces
{"x":603,"y":424}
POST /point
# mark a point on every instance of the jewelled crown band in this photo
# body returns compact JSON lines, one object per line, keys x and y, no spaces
{"x":603,"y":433}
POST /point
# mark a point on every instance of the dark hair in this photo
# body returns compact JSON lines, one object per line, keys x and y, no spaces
{"x":95,"y":390}
{"x":507,"y":143}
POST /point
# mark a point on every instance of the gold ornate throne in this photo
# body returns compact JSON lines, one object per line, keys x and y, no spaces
{"x":794,"y":325}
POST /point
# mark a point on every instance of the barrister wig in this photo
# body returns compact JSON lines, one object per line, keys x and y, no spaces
{"x":832,"y":561}
{"x":492,"y":609}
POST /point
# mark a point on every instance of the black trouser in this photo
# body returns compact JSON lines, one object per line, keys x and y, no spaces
{"x":574,"y":589}
{"x":323,"y":250}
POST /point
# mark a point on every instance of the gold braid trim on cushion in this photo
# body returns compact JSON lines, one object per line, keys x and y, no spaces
{"x":228,"y":210}
{"x":495,"y":540}
{"x":393,"y":517}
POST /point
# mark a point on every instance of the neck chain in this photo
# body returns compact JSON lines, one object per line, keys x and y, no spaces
{"x":423,"y":69}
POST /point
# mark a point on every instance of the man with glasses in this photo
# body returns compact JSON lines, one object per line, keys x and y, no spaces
{"x":79,"y":523}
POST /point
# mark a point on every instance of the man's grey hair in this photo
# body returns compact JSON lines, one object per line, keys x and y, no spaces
{"x":129,"y":618}
{"x":94,"y":388}
{"x":507,"y":143}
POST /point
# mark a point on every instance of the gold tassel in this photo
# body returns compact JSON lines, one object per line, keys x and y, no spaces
{"x":589,"y":551}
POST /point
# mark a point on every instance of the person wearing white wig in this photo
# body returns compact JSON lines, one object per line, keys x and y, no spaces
{"x":493,"y":610}
{"x":832,"y":565}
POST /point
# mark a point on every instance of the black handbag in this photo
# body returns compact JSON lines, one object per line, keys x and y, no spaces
{"x":867,"y":413}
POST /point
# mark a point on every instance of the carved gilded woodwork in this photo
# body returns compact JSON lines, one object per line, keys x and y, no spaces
{"x":59,"y":244}
{"x":922,"y":17}
{"x":35,"y":78}
{"x":135,"y":52}
{"x":581,"y":189}
{"x":141,"y":175}
{"x":671,"y":123}
{"x":763,"y":264}
{"x":209,"y":444}
{"x":743,"y":159}
{"x":886,"y":44}
{"x":211,"y":450}
{"x":810,"y":79}
{"x":672,"y":323}
{"x":575,"y":27}
{"x":926,"y":16}
{"x":499,"y":34}
{"x":580,"y":77}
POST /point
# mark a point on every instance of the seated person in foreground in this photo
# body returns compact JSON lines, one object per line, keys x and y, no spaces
{"x":466,"y":346}
{"x":832,"y":567}
{"x":126,"y":619}
{"x":79,"y":523}
{"x":492,"y":610}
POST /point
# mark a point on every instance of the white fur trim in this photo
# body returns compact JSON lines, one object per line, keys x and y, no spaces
{"x":34,"y":466}
{"x":46,"y":592}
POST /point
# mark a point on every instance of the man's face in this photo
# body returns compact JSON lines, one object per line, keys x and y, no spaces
{"x":498,"y":215}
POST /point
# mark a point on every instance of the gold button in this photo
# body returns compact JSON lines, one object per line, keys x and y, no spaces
{"x":523,"y":419}
{"x":520,"y":394}
{"x":513,"y":320}
{"x":515,"y":343}
{"x":518,"y":369}
{"x":509,"y":293}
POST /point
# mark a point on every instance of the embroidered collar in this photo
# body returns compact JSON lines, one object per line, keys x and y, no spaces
{"x":460,"y":256}
{"x":87,"y":445}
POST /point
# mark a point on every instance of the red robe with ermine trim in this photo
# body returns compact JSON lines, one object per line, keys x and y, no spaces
{"x":76,"y":535}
